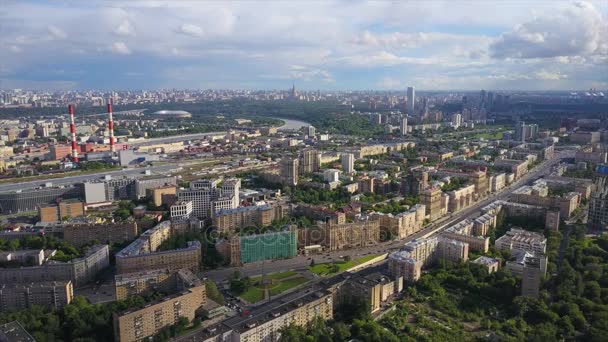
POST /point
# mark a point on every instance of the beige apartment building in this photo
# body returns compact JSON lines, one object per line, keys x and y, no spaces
{"x":189,"y":257}
{"x":110,"y":232}
{"x":19,"y":296}
{"x":139,"y":324}
{"x":229,"y":220}
{"x":265,"y":325}
{"x":403,"y":224}
{"x":142,"y":254}
{"x":431,"y":198}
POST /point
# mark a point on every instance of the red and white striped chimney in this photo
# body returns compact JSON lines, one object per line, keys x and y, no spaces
{"x":73,"y":134}
{"x":111,"y":126}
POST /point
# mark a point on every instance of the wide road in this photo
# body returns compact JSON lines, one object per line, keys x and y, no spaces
{"x":301,"y":262}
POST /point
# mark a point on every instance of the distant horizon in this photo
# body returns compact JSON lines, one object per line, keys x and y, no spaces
{"x":308,"y":90}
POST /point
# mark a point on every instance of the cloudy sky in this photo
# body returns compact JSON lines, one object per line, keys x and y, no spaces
{"x":434,"y":45}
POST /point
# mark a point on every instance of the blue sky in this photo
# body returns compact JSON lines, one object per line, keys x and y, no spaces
{"x":433,"y":45}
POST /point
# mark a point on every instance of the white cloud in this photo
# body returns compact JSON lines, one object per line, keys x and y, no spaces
{"x":191,"y":30}
{"x":125,"y":28}
{"x":549,"y":76}
{"x":14,"y":49}
{"x":120,"y":48}
{"x":56,"y":32}
{"x":578,"y":30}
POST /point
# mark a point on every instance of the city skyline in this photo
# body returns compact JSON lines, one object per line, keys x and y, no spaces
{"x":320,"y":45}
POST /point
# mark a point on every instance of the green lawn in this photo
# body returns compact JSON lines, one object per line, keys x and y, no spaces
{"x":256,"y":293}
{"x":330,"y":268}
{"x":488,"y":135}
{"x":253,"y":294}
{"x":287,"y":284}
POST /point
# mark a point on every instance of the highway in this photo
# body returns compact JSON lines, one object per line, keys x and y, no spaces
{"x":301,"y":262}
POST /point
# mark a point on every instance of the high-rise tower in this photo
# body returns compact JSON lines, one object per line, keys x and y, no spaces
{"x":411,"y":100}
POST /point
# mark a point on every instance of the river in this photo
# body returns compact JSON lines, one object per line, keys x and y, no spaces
{"x":291,"y":124}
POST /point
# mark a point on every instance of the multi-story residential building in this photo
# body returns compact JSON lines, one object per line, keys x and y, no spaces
{"x":166,"y":281}
{"x":79,"y":271}
{"x":470,"y":232}
{"x":431,"y":198}
{"x":403,"y":224}
{"x":181,"y":210}
{"x":310,"y":161}
{"x":264,"y":324}
{"x":419,"y":253}
{"x":598,"y":203}
{"x":206,"y":197}
{"x":517,"y":167}
{"x":142,"y":185}
{"x":497,"y":182}
{"x":289,"y":171}
{"x":490,"y":264}
{"x":139,"y":324}
{"x":461,"y":198}
{"x":348,"y":162}
{"x":24,"y":257}
{"x":402,"y":264}
{"x":119,"y":188}
{"x":19,"y":296}
{"x":162,"y":195}
{"x":229,"y":220}
{"x":107,"y":232}
{"x":351,"y":235}
{"x":373,"y":287}
{"x":480,"y":182}
{"x":231,"y":188}
{"x":415,"y":182}
{"x":534,"y":269}
{"x":57,"y":212}
{"x":142,"y":254}
{"x":522,"y":240}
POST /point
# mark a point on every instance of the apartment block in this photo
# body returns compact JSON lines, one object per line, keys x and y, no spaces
{"x":403,"y":224}
{"x":431,"y":198}
{"x":79,"y":271}
{"x":142,"y":254}
{"x":265,"y":324}
{"x":229,"y":220}
{"x":19,"y":296}
{"x":107,"y":232}
{"x":352,"y":235}
{"x":522,"y":240}
{"x":139,"y":324}
{"x":181,"y":210}
{"x":207,"y":197}
{"x":420,"y":253}
{"x":167,"y":281}
{"x":160,"y":195}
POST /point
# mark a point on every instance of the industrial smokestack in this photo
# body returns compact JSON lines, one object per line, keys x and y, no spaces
{"x":73,"y":134}
{"x":111,"y":126}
